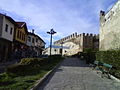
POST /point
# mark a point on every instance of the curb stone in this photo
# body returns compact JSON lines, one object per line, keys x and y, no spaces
{"x":45,"y":77}
{"x":114,"y":78}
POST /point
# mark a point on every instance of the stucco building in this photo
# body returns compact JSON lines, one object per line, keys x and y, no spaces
{"x":20,"y":40}
{"x":35,"y":43}
{"x":20,"y":35}
{"x":56,"y":50}
{"x":7,"y":25}
{"x":110,"y":28}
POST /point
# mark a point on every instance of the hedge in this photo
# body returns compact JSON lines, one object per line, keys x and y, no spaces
{"x":110,"y":57}
{"x":34,"y":61}
{"x":29,"y":66}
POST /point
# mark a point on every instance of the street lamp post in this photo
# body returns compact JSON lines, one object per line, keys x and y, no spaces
{"x":51,"y":33}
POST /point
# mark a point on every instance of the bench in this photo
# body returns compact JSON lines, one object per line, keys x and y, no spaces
{"x":103,"y":67}
{"x":106,"y":69}
{"x":96,"y":64}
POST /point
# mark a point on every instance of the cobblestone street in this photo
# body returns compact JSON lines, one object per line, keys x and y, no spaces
{"x":74,"y":74}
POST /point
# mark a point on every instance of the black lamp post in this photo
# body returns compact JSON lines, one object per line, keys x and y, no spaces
{"x":51,"y":33}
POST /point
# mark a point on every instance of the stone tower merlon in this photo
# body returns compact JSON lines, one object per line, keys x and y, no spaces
{"x":87,"y":34}
{"x":78,"y":35}
{"x":102,"y":17}
{"x":75,"y":34}
{"x":91,"y":34}
{"x":83,"y":34}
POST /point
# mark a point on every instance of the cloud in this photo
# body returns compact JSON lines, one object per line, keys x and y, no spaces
{"x":65,"y":16}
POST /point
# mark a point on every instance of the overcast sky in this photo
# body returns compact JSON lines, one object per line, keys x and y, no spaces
{"x":64,"y":16}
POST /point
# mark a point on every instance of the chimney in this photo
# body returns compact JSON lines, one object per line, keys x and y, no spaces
{"x":33,"y":31}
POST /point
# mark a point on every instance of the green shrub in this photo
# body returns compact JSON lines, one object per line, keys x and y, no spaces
{"x":22,"y":76}
{"x":17,"y":69}
{"x":111,"y":57}
{"x":33,"y":61}
{"x":29,"y":61}
{"x":89,"y":55}
{"x":27,"y":66}
{"x":30,"y":66}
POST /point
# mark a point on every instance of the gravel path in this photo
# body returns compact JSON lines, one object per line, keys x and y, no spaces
{"x":74,"y":74}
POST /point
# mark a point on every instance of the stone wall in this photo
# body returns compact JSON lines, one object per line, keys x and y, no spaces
{"x":79,"y":42}
{"x":72,"y":36}
{"x":110,"y":28}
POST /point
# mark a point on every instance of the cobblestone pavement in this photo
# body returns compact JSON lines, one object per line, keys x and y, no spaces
{"x":74,"y":74}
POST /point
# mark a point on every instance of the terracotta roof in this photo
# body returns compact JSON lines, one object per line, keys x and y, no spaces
{"x":22,"y":24}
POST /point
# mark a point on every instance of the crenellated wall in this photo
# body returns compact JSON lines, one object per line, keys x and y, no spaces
{"x":81,"y":42}
{"x":74,"y":35}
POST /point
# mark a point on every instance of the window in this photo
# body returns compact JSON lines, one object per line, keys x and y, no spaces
{"x":32,"y":40}
{"x":11,"y":30}
{"x":18,"y":34}
{"x":36,"y":40}
{"x":24,"y":37}
{"x":60,"y":51}
{"x":6,"y":28}
{"x":55,"y":50}
{"x":65,"y":51}
{"x":29,"y":39}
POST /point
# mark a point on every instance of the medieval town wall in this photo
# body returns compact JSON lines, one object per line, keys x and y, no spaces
{"x":110,"y":28}
{"x":80,"y":41}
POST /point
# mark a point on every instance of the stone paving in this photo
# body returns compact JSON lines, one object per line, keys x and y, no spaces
{"x":74,"y":74}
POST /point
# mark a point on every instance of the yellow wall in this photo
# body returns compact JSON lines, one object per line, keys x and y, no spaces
{"x":21,"y":35}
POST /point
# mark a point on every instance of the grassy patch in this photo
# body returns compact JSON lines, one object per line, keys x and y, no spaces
{"x":15,"y":79}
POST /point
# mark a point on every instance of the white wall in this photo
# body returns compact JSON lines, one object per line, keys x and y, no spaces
{"x":110,"y":29}
{"x":53,"y":52}
{"x":7,"y":35}
{"x":73,"y":48}
{"x":29,"y":43}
